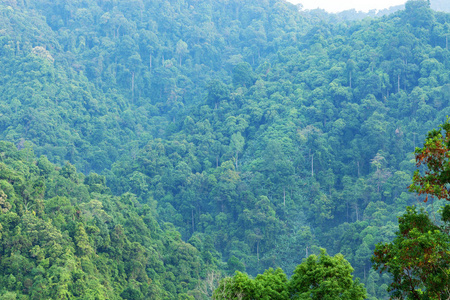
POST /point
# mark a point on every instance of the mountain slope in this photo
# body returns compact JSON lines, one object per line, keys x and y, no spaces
{"x":63,"y":235}
{"x":257,"y":129}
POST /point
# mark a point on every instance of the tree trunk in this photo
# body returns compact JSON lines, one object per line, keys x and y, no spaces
{"x":350,"y":79}
{"x":132,"y":87}
{"x":150,"y":61}
{"x":378,"y":180}
{"x":257,"y":250}
{"x":356,"y":211}
{"x":347,"y":210}
{"x":115,"y":67}
{"x":118,"y":28}
{"x":193,"y":230}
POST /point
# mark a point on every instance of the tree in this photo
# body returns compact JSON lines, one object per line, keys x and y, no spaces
{"x":233,"y":264}
{"x":318,"y":277}
{"x":243,"y":75}
{"x":270,"y":285}
{"x":131,"y":293}
{"x":325,"y":277}
{"x":217,"y":92}
{"x":418,"y":13}
{"x":237,"y":145}
{"x":82,"y":241}
{"x":351,"y":66}
{"x":240,"y":286}
{"x":181,"y":49}
{"x":419,"y":257}
{"x":436,"y":155}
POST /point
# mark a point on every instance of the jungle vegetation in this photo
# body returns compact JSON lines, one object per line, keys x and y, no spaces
{"x":150,"y":148}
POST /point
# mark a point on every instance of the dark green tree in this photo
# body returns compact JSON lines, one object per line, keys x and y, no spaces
{"x":419,"y":257}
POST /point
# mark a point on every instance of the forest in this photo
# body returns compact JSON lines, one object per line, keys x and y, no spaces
{"x":190,"y":149}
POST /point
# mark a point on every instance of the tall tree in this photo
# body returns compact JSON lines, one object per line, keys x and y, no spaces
{"x":419,"y":257}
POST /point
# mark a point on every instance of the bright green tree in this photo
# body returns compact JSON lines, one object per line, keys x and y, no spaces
{"x":318,"y":277}
{"x":272,"y":284}
{"x":325,"y":277}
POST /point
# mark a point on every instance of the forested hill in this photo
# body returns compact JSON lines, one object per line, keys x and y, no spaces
{"x":260,"y":131}
{"x":64,"y":236}
{"x":96,"y":62}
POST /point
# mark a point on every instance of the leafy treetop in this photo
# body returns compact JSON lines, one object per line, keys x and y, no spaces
{"x":436,"y":155}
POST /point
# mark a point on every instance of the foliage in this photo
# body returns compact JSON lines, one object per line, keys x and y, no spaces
{"x":325,"y":277}
{"x":61,"y":238}
{"x":317,"y":277}
{"x":250,"y":129}
{"x":418,"y":258}
{"x":435,"y":155}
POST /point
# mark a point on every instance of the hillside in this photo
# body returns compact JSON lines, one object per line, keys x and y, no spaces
{"x":261,"y":132}
{"x":64,"y":236}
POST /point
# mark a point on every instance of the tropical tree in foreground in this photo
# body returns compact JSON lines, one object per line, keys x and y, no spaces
{"x":436,"y":156}
{"x":419,"y":257}
{"x":270,"y":285}
{"x":317,"y":277}
{"x":325,"y":277}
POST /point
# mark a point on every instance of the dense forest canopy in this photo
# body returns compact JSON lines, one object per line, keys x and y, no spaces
{"x":155,"y":146}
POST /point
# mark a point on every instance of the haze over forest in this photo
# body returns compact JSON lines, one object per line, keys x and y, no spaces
{"x":150,"y":148}
{"x":366,"y":6}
